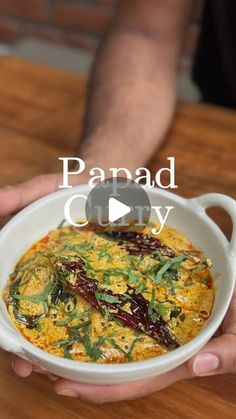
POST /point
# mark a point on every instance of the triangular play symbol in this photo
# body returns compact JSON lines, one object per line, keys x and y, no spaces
{"x":117,"y":210}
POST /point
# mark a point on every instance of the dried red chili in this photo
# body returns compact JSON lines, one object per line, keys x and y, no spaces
{"x":139,"y":243}
{"x":139,"y":318}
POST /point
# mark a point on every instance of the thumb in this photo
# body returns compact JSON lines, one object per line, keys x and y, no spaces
{"x":217,"y":357}
{"x":13,"y":198}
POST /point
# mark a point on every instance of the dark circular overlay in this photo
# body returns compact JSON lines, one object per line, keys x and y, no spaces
{"x":117,"y":191}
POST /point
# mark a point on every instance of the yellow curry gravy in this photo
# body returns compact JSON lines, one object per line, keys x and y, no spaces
{"x":48,"y":310}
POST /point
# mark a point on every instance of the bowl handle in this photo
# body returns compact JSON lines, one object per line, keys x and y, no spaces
{"x":223,"y":201}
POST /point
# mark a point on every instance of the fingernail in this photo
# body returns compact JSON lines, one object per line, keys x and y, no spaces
{"x":21,"y":367}
{"x":67,"y":392}
{"x":52,"y":377}
{"x":205,"y":363}
{"x":13,"y":364}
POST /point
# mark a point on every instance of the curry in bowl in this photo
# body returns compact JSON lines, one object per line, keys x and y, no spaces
{"x":113,"y":297}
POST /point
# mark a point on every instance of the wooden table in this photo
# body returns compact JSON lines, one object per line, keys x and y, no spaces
{"x":41,"y":111}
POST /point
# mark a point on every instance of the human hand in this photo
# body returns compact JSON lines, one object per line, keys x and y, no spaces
{"x":14,"y":198}
{"x":217,"y":357}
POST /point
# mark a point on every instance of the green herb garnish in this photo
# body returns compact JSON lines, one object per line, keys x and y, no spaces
{"x":151,"y":310}
{"x":133,"y":278}
{"x":37,"y":298}
{"x":62,"y":342}
{"x":172,"y":264}
{"x":128,"y":353}
{"x":160,"y":308}
{"x":93,"y":349}
{"x":72,"y":316}
{"x":67,"y":353}
{"x":159,"y":256}
{"x":104,"y":253}
{"x":141,"y":288}
{"x":101,"y":296}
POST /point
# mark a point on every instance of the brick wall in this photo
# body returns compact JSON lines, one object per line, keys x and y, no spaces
{"x":80,"y":23}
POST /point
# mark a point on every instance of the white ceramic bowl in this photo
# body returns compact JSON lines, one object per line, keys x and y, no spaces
{"x":189,"y":216}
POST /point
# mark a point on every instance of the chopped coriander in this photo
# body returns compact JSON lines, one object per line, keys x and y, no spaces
{"x":47,"y":255}
{"x":38,"y":327}
{"x":160,"y":308}
{"x":62,"y":342}
{"x":115,"y":272}
{"x":72,"y":316}
{"x":173,"y":287}
{"x":120,"y":323}
{"x":106,"y":312}
{"x":151,"y":310}
{"x":74,"y":329}
{"x":67,"y":353}
{"x":166,"y":272}
{"x":37,"y":298}
{"x":77,"y":248}
{"x":133,"y":278}
{"x":159,"y":256}
{"x":87,"y":245}
{"x":112,"y":272}
{"x":128,"y":354}
{"x":102,"y":296}
{"x":106,"y":280}
{"x":176,"y":261}
{"x":141,"y":288}
{"x":201,"y":266}
{"x":135,"y":261}
{"x":93,"y":349}
{"x":103,"y":252}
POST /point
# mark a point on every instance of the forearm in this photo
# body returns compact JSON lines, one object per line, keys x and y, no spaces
{"x":131,"y":102}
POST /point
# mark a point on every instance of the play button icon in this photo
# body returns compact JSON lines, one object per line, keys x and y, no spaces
{"x":117,"y":210}
{"x":117,"y":203}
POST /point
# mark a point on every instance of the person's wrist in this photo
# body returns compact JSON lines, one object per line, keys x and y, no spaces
{"x":105,"y":149}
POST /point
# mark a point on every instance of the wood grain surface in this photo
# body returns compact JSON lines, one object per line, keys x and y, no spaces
{"x":41,"y":112}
